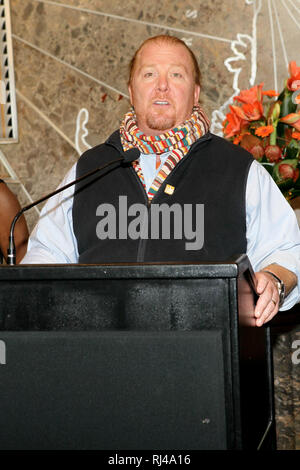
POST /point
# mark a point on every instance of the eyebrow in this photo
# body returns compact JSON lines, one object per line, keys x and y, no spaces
{"x":154,"y":65}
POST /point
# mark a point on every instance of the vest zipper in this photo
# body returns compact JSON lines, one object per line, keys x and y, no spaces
{"x":143,"y":242}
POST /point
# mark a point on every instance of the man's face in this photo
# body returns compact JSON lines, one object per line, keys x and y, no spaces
{"x":163,"y":90}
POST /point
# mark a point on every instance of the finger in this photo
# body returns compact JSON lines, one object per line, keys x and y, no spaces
{"x":262,"y":283}
{"x":268,"y":313}
{"x":270,"y":316}
{"x":264,"y":300}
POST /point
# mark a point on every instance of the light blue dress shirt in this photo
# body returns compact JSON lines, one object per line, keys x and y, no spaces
{"x":272,"y":229}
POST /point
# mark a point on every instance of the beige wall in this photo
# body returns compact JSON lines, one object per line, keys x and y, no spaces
{"x":73,"y":54}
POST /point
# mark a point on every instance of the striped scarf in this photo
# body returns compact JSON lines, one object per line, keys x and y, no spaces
{"x":177,"y":141}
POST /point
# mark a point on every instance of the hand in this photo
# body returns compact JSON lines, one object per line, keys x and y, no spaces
{"x":268,"y":303}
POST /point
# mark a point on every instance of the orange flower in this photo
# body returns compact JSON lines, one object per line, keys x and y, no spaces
{"x":250,"y":96}
{"x":297,"y":98}
{"x":249,"y":111}
{"x":264,"y":131}
{"x":270,"y":93}
{"x":240,"y":137}
{"x":292,"y":119}
{"x":293,"y":82}
{"x":237,"y":139}
{"x":233,"y":126}
{"x":296,"y":135}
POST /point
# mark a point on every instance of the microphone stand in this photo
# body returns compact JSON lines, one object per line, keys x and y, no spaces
{"x":129,"y":156}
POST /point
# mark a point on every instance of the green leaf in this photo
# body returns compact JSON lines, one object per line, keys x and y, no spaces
{"x":297,"y":184}
{"x":293,"y":149}
{"x":287,"y":107}
{"x":285,"y":185}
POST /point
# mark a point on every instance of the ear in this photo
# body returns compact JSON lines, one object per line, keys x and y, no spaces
{"x":196,"y":94}
{"x":130,"y":94}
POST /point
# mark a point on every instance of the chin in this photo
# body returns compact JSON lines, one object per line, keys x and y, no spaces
{"x":161,"y":124}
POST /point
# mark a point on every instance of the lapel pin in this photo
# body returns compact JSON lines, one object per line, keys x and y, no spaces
{"x":169,"y":189}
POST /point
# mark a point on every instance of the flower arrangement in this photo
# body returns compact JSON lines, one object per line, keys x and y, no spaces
{"x":267,"y":124}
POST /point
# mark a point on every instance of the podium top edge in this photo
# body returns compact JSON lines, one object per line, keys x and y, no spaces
{"x":230,"y":269}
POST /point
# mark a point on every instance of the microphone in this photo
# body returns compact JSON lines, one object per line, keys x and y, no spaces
{"x":127,"y":157}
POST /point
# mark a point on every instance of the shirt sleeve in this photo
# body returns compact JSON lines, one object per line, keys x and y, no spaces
{"x":53,"y":240}
{"x":273,"y":234}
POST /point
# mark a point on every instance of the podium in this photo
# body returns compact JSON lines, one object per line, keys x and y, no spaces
{"x":134,"y":357}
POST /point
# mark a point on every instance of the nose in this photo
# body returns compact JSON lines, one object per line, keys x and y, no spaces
{"x":162,"y":82}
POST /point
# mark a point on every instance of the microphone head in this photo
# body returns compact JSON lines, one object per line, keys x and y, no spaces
{"x":131,"y":155}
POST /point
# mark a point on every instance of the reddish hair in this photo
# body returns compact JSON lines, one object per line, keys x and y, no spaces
{"x":170,"y":40}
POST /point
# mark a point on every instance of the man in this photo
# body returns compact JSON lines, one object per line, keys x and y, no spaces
{"x":220,"y":197}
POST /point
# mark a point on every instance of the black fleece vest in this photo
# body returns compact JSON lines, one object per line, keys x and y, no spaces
{"x":207,"y":187}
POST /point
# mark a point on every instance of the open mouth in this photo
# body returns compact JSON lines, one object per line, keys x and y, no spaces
{"x":161,"y":103}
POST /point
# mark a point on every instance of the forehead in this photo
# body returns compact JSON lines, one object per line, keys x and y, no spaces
{"x":154,"y":53}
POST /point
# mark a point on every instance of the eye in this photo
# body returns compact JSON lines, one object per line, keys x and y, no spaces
{"x":176,"y":74}
{"x":148,"y":74}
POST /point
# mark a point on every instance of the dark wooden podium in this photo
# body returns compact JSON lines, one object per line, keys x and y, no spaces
{"x":117,"y":357}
